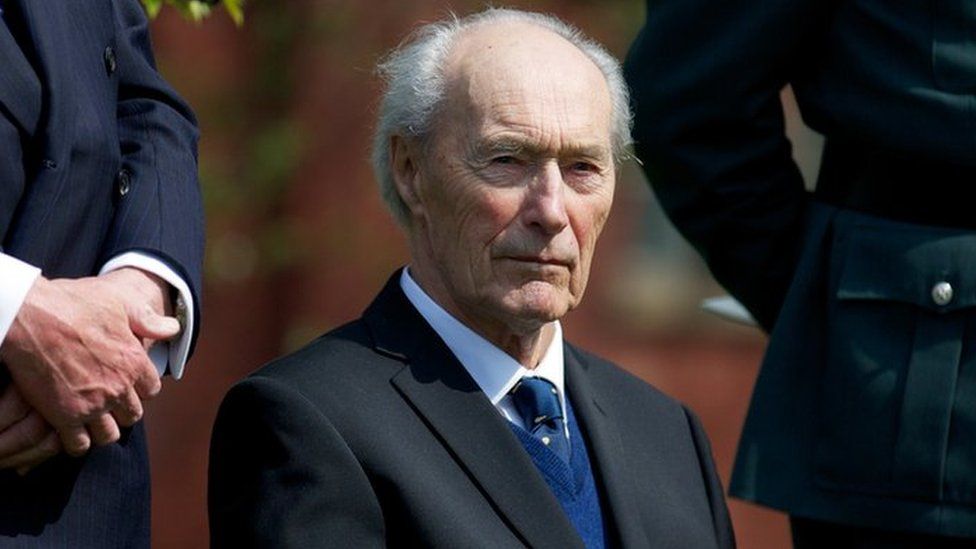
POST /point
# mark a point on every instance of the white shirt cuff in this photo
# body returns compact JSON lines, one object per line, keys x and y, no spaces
{"x":17,"y":277}
{"x":174,"y":352}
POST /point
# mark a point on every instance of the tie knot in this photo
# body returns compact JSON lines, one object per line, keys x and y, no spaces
{"x":537,"y":401}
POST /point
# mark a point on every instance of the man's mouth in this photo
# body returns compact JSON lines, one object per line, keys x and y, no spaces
{"x":540,"y":260}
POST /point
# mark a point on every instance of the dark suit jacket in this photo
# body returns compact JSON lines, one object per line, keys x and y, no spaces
{"x":375,"y":435}
{"x":865,"y":409}
{"x":97,"y":157}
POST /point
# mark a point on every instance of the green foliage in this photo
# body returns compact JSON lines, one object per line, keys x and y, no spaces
{"x":197,"y":10}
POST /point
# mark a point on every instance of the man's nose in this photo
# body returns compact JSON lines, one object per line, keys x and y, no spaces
{"x":546,"y":206}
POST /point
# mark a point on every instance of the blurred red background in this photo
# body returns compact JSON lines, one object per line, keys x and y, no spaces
{"x":299,"y":242}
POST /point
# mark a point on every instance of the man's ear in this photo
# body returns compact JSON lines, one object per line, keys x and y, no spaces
{"x":404,"y":158}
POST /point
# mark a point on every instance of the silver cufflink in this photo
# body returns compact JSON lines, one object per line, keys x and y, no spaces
{"x":179,"y":311}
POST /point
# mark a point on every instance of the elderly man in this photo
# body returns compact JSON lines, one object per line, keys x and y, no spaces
{"x":452,"y":413}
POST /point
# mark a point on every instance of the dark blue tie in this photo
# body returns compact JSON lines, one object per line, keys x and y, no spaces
{"x":537,"y":401}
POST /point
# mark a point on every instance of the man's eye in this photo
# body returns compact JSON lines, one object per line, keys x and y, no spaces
{"x":583,"y":167}
{"x":504,"y":159}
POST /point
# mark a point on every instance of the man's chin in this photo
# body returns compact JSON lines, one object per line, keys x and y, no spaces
{"x":538,"y":305}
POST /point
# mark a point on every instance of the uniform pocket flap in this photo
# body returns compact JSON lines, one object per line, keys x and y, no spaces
{"x":932,"y":268}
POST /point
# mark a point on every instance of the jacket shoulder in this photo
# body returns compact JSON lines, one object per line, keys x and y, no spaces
{"x":338,"y":364}
{"x":608,"y":378}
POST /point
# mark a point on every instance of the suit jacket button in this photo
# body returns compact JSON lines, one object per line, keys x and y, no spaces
{"x":942,"y":293}
{"x":124,"y":181}
{"x":111,"y":63}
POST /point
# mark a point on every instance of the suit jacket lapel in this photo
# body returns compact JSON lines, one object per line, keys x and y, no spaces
{"x":606,"y":453}
{"x":461,"y":416}
{"x":20,"y":88}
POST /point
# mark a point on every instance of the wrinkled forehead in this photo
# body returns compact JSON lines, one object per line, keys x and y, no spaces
{"x":521,"y":76}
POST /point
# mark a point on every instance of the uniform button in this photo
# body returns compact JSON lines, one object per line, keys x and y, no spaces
{"x":110,"y":62}
{"x":942,"y":293}
{"x":124,"y":181}
{"x":49,"y":164}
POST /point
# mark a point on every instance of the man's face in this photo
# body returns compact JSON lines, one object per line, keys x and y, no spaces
{"x":516,"y":181}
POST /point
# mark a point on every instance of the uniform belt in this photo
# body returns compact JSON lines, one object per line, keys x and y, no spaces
{"x":897,"y":186}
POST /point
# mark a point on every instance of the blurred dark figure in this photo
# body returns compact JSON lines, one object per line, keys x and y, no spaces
{"x":863,"y":419}
{"x":101,"y":242}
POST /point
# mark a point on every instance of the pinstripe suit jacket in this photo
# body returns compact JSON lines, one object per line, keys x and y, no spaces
{"x":97,"y":157}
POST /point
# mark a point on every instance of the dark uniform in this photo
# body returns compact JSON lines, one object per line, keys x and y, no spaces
{"x":864,"y":413}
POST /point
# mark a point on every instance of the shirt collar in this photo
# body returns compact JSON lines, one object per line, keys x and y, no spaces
{"x":493,"y":370}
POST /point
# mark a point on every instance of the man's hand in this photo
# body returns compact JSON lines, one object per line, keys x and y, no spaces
{"x":26,"y":440}
{"x":76,"y":352}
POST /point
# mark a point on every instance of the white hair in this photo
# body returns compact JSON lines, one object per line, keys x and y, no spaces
{"x":415,"y":87}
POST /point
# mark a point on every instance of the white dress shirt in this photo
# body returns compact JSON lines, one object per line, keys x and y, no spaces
{"x":17,"y":278}
{"x":495,"y":372}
